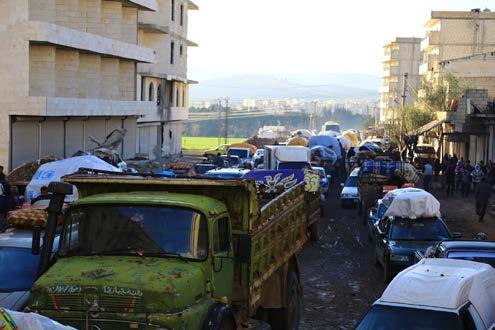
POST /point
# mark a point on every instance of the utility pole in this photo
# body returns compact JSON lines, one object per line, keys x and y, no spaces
{"x":404,"y":96}
{"x":219,"y":134}
{"x":226,"y":132}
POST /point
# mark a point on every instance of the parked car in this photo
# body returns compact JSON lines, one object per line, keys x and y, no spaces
{"x":436,"y":294}
{"x":349,"y":195}
{"x":324,"y":180}
{"x":480,"y":251}
{"x":201,"y":169}
{"x":221,"y":149}
{"x":18,"y":267}
{"x":422,"y":154}
{"x":227,"y":173}
{"x":376,"y":214}
{"x":398,"y":239}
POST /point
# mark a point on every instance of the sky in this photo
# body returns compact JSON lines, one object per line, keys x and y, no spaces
{"x":303,"y":36}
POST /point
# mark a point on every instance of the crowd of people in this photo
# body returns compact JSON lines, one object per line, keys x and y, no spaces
{"x":463,"y":178}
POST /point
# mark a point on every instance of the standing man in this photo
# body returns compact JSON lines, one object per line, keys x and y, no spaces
{"x":483,"y":194}
{"x":450,"y":177}
{"x":477,"y":174}
{"x":427,"y":175}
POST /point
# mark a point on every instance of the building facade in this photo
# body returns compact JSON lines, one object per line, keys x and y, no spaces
{"x":69,"y":72}
{"x":455,"y":35}
{"x":402,"y":58}
{"x":165,"y":82}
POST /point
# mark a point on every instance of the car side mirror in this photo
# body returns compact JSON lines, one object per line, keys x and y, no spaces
{"x":243,"y":248}
{"x":456,"y":235}
{"x":36,"y":241}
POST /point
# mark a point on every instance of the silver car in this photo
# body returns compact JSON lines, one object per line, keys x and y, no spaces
{"x":349,"y":195}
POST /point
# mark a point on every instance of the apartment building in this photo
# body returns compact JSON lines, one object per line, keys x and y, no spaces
{"x":68,"y":73}
{"x":456,"y":35}
{"x":402,"y":58}
{"x":463,"y":44}
{"x":165,"y":82}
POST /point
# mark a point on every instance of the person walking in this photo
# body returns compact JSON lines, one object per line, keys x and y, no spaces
{"x":477,"y":174}
{"x":450,"y":176}
{"x":482,"y":194}
{"x":466,"y":182}
{"x":427,"y":175}
{"x":437,"y":167}
{"x":459,"y":172}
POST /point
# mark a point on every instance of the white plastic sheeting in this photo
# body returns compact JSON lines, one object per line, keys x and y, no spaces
{"x":53,"y":171}
{"x":345,"y":142}
{"x":411,"y":203}
{"x":33,"y":321}
{"x":329,"y":133}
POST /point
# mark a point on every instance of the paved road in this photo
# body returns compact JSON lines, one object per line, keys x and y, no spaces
{"x":340,"y":279}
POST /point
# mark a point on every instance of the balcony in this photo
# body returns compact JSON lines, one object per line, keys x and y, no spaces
{"x":178,"y":113}
{"x":391,"y":87}
{"x":431,"y":41}
{"x":391,"y":71}
{"x":392,"y":55}
{"x":49,"y":33}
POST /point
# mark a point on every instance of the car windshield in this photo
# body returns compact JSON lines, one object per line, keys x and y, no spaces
{"x":418,"y":230}
{"x":135,"y":230}
{"x":351,"y":181}
{"x":401,"y":318}
{"x":293,"y":165}
{"x":239,"y":152}
{"x":332,"y":127}
{"x":19,"y":269}
{"x":478,"y":256}
{"x":424,"y":150}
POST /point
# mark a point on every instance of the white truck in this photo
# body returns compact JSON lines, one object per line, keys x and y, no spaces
{"x":286,"y":157}
{"x":436,"y":294}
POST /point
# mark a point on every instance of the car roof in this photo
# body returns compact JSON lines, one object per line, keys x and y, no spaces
{"x":440,"y":283}
{"x":469,"y":245}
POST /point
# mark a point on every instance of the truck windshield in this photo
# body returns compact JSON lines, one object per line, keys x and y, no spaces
{"x":391,"y":317}
{"x":135,"y":230}
{"x":293,"y":165}
{"x":332,"y":127}
{"x":418,"y":230}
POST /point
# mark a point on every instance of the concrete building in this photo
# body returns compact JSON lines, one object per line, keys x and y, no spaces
{"x":165,"y":82}
{"x":454,"y":35}
{"x":402,"y":57}
{"x":69,"y":72}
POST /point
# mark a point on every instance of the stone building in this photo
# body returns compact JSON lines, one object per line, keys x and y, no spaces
{"x":402,"y":56}
{"x":165,"y":82}
{"x":68,"y":73}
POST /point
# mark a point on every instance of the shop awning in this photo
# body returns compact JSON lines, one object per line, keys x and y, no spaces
{"x":428,"y":127}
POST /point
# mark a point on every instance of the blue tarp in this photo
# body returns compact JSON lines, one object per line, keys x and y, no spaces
{"x":326,"y":141}
{"x":326,"y":154}
{"x":272,"y":178}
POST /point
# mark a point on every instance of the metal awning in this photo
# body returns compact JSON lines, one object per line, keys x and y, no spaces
{"x":428,"y":127}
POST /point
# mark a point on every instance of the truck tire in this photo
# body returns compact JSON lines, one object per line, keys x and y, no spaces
{"x":313,"y":231}
{"x":288,"y":318}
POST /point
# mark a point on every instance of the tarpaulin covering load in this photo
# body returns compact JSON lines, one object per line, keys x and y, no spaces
{"x":53,"y":171}
{"x":325,"y":154}
{"x":326,"y":141}
{"x":386,"y":169}
{"x":32,"y":321}
{"x":411,"y":203}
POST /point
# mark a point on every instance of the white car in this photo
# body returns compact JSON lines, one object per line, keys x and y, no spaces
{"x":350,"y":195}
{"x":436,"y":294}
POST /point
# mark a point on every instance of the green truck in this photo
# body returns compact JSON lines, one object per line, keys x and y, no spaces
{"x":146,"y":253}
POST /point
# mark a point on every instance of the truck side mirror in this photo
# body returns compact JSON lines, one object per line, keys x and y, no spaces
{"x":36,"y":241}
{"x":243,"y":248}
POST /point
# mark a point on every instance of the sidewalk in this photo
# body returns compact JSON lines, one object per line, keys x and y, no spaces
{"x":459,"y":214}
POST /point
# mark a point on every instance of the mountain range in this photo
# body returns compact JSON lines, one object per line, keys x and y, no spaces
{"x":310,"y":86}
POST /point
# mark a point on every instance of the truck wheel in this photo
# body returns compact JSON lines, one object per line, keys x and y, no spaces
{"x":313,"y":231}
{"x":288,"y":318}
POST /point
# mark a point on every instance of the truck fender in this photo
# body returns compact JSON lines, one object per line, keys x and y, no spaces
{"x":217,"y":313}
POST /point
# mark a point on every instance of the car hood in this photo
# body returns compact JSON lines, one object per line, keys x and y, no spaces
{"x":120,"y":284}
{"x":350,"y":190}
{"x":15,"y":300}
{"x":409,"y":247}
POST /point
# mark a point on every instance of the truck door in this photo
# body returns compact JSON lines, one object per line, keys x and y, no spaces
{"x":223,"y":259}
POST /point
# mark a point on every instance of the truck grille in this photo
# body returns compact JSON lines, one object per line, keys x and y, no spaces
{"x":106,"y":303}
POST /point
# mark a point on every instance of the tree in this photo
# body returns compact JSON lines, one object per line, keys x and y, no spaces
{"x":408,"y":119}
{"x":437,"y":97}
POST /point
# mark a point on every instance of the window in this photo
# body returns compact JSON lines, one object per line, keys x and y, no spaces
{"x":172,"y":48}
{"x":221,"y":240}
{"x":183,"y":98}
{"x":181,"y":15}
{"x":151,"y":92}
{"x":181,"y":50}
{"x":173,"y":10}
{"x":159,"y":95}
{"x":177,"y":97}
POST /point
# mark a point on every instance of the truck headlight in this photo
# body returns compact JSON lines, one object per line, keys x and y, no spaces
{"x":399,"y":258}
